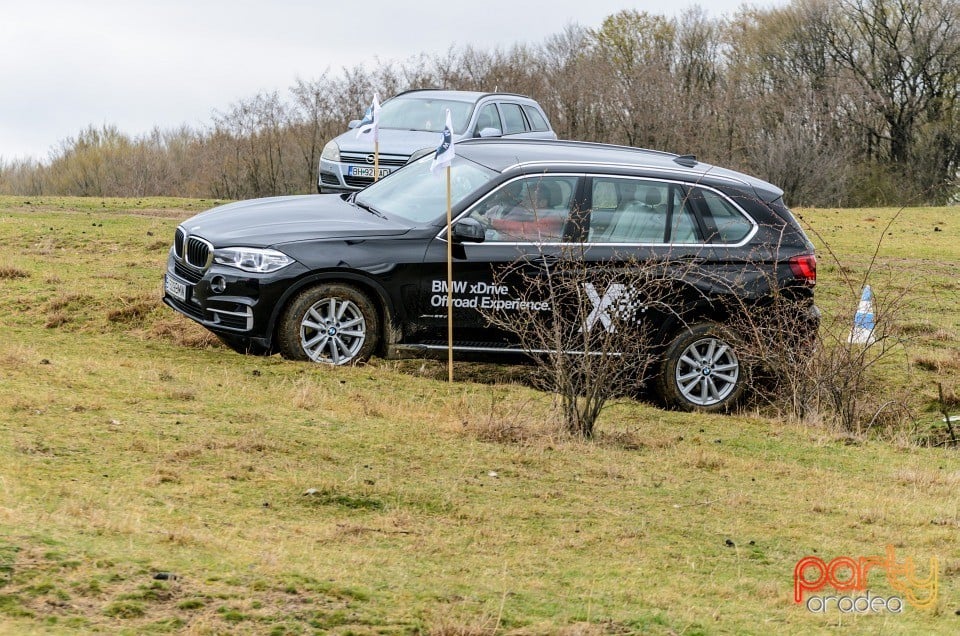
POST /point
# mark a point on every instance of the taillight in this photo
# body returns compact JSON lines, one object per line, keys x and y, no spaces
{"x":804,"y":267}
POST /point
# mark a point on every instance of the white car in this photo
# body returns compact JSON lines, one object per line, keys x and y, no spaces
{"x":412,"y":121}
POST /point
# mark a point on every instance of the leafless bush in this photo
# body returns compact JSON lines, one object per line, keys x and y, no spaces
{"x":823,"y":376}
{"x":587,"y":324}
{"x":826,"y":374}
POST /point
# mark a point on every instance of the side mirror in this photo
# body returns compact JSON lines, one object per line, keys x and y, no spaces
{"x":353,"y":124}
{"x":469,"y":231}
{"x":490,"y":132}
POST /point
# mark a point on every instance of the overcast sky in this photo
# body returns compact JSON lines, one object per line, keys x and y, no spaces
{"x":137,"y":64}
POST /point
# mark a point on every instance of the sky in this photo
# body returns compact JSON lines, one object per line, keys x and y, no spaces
{"x":140,"y":64}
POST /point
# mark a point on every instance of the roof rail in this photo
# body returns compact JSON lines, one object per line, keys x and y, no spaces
{"x":458,"y":90}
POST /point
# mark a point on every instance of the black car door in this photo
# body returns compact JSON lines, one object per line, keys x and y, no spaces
{"x":526,"y":223}
{"x":646,"y":246}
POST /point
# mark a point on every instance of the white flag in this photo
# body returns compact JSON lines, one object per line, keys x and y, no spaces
{"x":445,"y":151}
{"x":371,"y":121}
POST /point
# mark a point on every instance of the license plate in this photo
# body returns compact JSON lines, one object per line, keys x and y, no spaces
{"x":175,"y":288}
{"x":365,"y":171}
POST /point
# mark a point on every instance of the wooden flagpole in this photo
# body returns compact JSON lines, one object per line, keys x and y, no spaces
{"x":449,"y":283}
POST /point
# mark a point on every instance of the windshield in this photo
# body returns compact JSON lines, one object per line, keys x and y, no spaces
{"x":418,"y":113}
{"x":413,"y":193}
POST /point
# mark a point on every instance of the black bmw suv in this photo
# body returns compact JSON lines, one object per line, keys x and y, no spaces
{"x":338,"y":278}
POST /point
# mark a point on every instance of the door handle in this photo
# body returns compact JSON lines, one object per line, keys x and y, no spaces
{"x":691,"y":258}
{"x":544,"y":260}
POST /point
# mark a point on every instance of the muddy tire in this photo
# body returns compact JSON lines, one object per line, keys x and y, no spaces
{"x":329,"y":324}
{"x":700,"y":371}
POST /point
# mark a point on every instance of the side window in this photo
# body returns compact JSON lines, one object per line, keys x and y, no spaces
{"x":513,"y":121}
{"x":629,"y":211}
{"x":534,"y":209}
{"x":536,"y":119}
{"x":724,"y":222}
{"x":489,"y":117}
{"x":683,"y":225}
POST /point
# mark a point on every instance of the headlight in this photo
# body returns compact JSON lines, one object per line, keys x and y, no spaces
{"x":252,"y":260}
{"x":331,"y":152}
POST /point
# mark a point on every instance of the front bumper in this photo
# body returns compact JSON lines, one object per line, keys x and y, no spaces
{"x":354,"y":171}
{"x":229,"y":301}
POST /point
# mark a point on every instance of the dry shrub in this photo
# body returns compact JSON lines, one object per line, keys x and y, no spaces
{"x":183,"y":334}
{"x":308,"y":396}
{"x":949,"y":398}
{"x":593,"y":307}
{"x":131,"y":313}
{"x":9,"y":273}
{"x":508,"y":421}
{"x":925,"y":479}
{"x":66,"y":301}
{"x":627,"y":440}
{"x":56,"y":319}
{"x":946,"y":363}
{"x":916,"y":328}
{"x":163,"y":476}
{"x":158,"y":246}
{"x":453,"y":628}
{"x":182,"y":395}
{"x":499,"y":431}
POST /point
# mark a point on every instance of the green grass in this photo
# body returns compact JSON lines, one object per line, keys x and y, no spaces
{"x":278,"y":497}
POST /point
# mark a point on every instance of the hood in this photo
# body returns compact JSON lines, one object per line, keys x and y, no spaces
{"x":392,"y":141}
{"x":277,"y":220}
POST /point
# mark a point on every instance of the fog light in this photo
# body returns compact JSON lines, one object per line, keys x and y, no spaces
{"x":218,"y":284}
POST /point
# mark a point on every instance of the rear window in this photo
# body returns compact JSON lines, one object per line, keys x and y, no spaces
{"x":724,"y":222}
{"x":513,"y":121}
{"x":537,"y":121}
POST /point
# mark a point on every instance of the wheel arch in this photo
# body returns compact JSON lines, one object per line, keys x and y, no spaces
{"x":390,"y":331}
{"x":673,"y":324}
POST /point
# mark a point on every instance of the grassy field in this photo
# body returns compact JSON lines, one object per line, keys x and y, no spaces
{"x":152,"y":481}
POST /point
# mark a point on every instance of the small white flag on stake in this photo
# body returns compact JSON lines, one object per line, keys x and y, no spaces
{"x":445,"y":151}
{"x":371,"y":121}
{"x":863,"y":320}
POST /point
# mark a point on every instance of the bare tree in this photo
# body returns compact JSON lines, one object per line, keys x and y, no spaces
{"x":842,"y":103}
{"x":904,"y":55}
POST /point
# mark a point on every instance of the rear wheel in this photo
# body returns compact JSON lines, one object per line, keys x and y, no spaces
{"x":331,"y":324}
{"x":700,"y":371}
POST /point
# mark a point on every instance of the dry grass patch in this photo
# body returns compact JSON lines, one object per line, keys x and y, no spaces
{"x":181,"y":333}
{"x":928,"y":478}
{"x":944,"y":363}
{"x":8,"y":272}
{"x":133,"y":311}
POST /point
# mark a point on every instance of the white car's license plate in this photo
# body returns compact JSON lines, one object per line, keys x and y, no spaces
{"x":175,"y":288}
{"x":364,"y":171}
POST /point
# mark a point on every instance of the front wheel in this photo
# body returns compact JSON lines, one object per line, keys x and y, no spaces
{"x":700,"y":371}
{"x":331,"y":324}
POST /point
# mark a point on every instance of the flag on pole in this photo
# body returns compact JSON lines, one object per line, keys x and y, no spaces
{"x":442,"y":159}
{"x":445,"y":152}
{"x":371,"y":121}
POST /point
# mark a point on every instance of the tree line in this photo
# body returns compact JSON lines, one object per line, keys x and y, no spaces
{"x":839,"y":102}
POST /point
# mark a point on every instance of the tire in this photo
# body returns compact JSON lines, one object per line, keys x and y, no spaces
{"x":700,"y":371}
{"x":329,"y":324}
